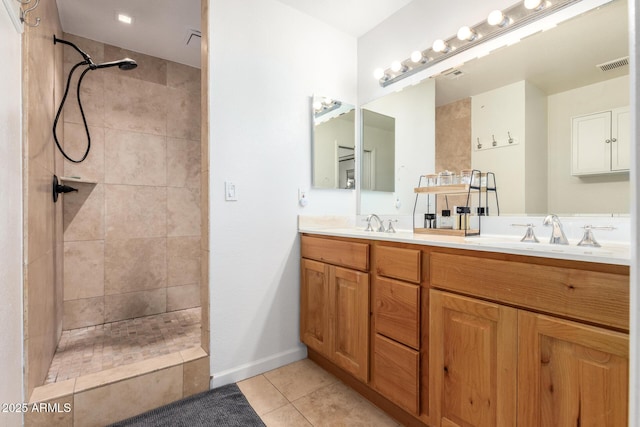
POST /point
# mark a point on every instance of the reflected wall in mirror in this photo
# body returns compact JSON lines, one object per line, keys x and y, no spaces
{"x":378,"y":151}
{"x":333,"y":144}
{"x":530,"y":91}
{"x":409,"y":115}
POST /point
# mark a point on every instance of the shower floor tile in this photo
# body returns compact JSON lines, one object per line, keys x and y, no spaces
{"x":95,"y":348}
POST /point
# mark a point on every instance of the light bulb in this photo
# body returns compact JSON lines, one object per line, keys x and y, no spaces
{"x":378,"y":73}
{"x":416,"y":56}
{"x":317,"y":105}
{"x":440,"y":46}
{"x":396,"y":66}
{"x":497,"y":18}
{"x":466,"y":33}
{"x":532,"y":4}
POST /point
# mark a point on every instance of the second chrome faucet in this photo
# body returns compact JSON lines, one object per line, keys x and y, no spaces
{"x":557,"y":233}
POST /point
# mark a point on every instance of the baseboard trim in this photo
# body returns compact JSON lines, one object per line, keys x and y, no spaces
{"x":257,"y":367}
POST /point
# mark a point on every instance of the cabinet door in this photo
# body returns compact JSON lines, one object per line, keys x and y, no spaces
{"x":620,"y":139}
{"x":473,"y":362}
{"x":570,"y":374}
{"x":349,"y":295}
{"x":590,"y":151}
{"x":314,"y":305}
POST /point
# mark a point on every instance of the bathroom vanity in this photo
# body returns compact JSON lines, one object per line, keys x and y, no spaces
{"x":444,"y":332}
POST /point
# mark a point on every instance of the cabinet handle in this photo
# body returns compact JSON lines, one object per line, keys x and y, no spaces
{"x":613,"y":140}
{"x":608,"y":141}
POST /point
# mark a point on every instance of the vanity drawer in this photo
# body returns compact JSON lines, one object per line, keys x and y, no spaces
{"x":338,"y":252}
{"x":398,"y":263}
{"x":591,"y":296}
{"x":395,"y":370}
{"x":397,"y":311}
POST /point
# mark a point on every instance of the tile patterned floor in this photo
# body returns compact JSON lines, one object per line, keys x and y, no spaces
{"x":95,"y":348}
{"x":303,"y":394}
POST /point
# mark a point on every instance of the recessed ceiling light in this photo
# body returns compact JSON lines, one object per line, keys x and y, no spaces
{"x":125,"y":18}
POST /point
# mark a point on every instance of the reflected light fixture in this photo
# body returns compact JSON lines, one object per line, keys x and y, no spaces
{"x":497,"y":18}
{"x":533,"y":4}
{"x":378,"y":73}
{"x":397,"y":66}
{"x":498,"y":23}
{"x":466,"y":33}
{"x":417,"y":57}
{"x":440,"y":46}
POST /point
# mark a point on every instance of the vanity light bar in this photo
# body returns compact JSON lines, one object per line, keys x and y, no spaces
{"x":512,"y":18}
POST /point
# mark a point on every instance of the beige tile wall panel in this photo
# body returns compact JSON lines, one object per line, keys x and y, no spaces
{"x":181,"y":297}
{"x":183,"y":260}
{"x":83,"y":312}
{"x":135,"y":211}
{"x":183,"y":114}
{"x":135,"y":158}
{"x":134,"y":304}
{"x":183,"y":211}
{"x":183,"y":163}
{"x":84,"y":213}
{"x":75,"y":145}
{"x":134,"y":105}
{"x":150,"y":69}
{"x":135,"y":265}
{"x":84,"y":272}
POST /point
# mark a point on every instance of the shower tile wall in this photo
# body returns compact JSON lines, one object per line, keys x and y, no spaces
{"x":43,"y":246}
{"x":132,"y":239}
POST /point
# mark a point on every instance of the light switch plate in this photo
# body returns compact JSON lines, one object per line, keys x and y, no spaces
{"x":230,"y":194}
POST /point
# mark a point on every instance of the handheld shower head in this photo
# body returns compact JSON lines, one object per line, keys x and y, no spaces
{"x":124,"y":64}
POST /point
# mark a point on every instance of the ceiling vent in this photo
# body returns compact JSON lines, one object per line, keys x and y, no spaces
{"x":193,"y":37}
{"x":454,"y":74}
{"x":612,"y":65}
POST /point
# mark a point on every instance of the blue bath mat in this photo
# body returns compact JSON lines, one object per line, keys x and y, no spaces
{"x":225,"y":406}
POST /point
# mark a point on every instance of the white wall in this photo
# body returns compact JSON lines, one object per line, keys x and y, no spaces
{"x":497,"y":113}
{"x":596,"y":194}
{"x":266,"y":60}
{"x":10,"y":220}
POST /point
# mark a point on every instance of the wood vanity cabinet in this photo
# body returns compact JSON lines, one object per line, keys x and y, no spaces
{"x":334,"y":302}
{"x":448,"y":337}
{"x":496,"y":362}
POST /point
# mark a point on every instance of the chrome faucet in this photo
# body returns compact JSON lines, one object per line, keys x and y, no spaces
{"x":557,"y":234}
{"x":377,"y":218}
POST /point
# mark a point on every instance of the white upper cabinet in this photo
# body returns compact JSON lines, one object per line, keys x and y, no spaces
{"x":600,"y":142}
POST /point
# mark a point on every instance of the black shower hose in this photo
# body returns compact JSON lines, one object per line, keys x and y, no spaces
{"x":84,"y":120}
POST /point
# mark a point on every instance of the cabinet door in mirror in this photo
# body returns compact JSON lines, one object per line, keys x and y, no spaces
{"x":378,"y":151}
{"x":333,"y":144}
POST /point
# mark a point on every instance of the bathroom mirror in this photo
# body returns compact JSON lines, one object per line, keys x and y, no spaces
{"x":333,"y":144}
{"x":378,"y":151}
{"x":562,"y":64}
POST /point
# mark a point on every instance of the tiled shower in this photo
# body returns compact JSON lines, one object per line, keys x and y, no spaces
{"x":132,"y":235}
{"x":113,"y":272}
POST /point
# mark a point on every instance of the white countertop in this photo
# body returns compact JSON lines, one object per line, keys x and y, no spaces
{"x":610,"y":253}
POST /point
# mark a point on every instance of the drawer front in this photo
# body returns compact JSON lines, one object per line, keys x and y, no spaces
{"x":398,"y":263}
{"x":346,"y":254}
{"x":397,"y":311}
{"x":396,"y":373}
{"x":591,"y":296}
